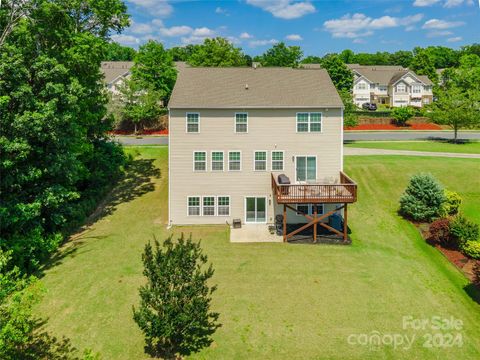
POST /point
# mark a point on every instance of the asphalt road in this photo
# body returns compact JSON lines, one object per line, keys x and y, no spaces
{"x":348,"y":136}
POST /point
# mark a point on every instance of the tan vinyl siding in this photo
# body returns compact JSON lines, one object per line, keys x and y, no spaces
{"x":268,"y":129}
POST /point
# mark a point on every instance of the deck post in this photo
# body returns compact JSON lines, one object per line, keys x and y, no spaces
{"x":345,"y":220}
{"x":315,"y":224}
{"x":284,"y":222}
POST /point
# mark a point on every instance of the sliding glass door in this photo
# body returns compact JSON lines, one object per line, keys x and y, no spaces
{"x":306,"y":168}
{"x":255,"y":209}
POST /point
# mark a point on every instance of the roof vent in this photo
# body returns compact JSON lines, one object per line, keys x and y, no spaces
{"x":246,"y":86}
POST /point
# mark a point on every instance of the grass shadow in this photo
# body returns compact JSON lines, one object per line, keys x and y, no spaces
{"x":136,"y":181}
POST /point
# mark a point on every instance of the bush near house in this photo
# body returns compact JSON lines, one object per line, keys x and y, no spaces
{"x":402,"y":114}
{"x":452,"y":203}
{"x":472,"y":249}
{"x":440,"y":231}
{"x":422,"y":199}
{"x":463,"y":230}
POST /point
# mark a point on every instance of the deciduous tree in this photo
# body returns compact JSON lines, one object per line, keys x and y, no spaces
{"x":217,"y":52}
{"x":282,"y":55}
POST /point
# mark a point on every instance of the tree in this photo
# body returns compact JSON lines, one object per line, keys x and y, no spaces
{"x":140,"y":104}
{"x":402,"y":58}
{"x":402,"y":114}
{"x":350,"y":118}
{"x":154,"y":68}
{"x":117,"y":52}
{"x":282,"y":55}
{"x":217,"y":52}
{"x":422,"y":64}
{"x":347,"y":56}
{"x":340,"y":74}
{"x":182,"y":53}
{"x":458,"y":98}
{"x":56,"y":159}
{"x":174,"y":312}
{"x":311,"y":60}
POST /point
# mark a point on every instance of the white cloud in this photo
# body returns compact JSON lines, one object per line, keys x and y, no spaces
{"x":438,"y":33}
{"x":294,"y":37}
{"x":441,"y":24}
{"x":140,"y":28}
{"x":198,"y":35}
{"x":245,"y":35}
{"x":454,"y":39}
{"x":123,"y":39}
{"x":454,"y":3}
{"x":157,"y":22}
{"x":284,"y":9}
{"x":203,"y":31}
{"x":423,"y":3}
{"x":255,"y":43}
{"x":175,"y":31}
{"x":155,"y":7}
{"x":359,"y":41}
{"x":222,"y":11}
{"x":360,"y":25}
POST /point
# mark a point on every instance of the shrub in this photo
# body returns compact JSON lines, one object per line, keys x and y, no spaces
{"x":463,"y":230}
{"x":440,"y":231}
{"x":452,"y":203}
{"x":472,"y":249}
{"x":423,"y":198}
{"x":174,"y":312}
{"x":402,"y":114}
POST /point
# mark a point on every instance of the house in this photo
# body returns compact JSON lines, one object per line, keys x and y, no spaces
{"x":238,"y":135}
{"x":115,"y":72}
{"x":392,"y":85}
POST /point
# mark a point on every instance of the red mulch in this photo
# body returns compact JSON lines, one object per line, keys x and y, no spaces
{"x":456,"y":257}
{"x":143,"y":132}
{"x":394,"y":127}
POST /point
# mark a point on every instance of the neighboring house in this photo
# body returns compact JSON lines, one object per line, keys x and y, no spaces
{"x":392,"y":85}
{"x":115,"y":72}
{"x":232,"y":131}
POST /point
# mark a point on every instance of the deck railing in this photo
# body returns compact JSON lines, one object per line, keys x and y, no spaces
{"x":344,"y":192}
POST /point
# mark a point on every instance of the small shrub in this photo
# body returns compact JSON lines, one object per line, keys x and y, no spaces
{"x":463,"y":230}
{"x":402,"y":114}
{"x":440,"y":231}
{"x":452,"y":203}
{"x":472,"y":249}
{"x":422,"y":199}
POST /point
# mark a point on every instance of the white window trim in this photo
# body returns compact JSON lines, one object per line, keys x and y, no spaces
{"x":310,"y":209}
{"x":229,"y":205}
{"x":186,"y":122}
{"x":266,"y":160}
{"x":245,"y":209}
{"x":403,"y":91}
{"x":214,"y":205}
{"x":235,"y":123}
{"x":241,"y":158}
{"x":283,"y":160}
{"x":316,"y":167}
{"x":206,"y":160}
{"x":309,"y":113}
{"x":211,"y":160}
{"x":199,"y":203}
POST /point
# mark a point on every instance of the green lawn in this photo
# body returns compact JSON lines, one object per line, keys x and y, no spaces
{"x":277,"y":301}
{"x":434,"y":146}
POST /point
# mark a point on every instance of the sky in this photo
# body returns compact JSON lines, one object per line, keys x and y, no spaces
{"x":319,"y":27}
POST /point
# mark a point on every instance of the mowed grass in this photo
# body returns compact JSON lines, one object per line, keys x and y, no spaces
{"x":472,"y":147}
{"x":277,"y":301}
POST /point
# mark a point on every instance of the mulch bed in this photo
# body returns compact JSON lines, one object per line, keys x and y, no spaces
{"x":456,"y":257}
{"x":395,"y":127}
{"x":143,"y":132}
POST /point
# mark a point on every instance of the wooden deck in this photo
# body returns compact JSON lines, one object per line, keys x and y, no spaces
{"x":344,"y":192}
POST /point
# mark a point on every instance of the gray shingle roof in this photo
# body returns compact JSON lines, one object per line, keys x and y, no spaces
{"x":264,"y":87}
{"x":113,"y":69}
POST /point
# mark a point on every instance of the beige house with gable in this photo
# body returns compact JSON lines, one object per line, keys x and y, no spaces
{"x":392,"y":85}
{"x":233,"y":131}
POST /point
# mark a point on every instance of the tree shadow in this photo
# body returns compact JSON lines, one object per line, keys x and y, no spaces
{"x":473,"y":289}
{"x":136,"y":181}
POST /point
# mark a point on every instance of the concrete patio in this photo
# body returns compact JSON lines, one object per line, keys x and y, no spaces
{"x":253,"y":233}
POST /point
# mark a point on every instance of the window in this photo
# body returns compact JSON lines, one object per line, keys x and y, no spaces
{"x":260,"y":161}
{"x":361,"y":86}
{"x":208,"y":205}
{"x":234,"y":161}
{"x":217,"y":160}
{"x":309,"y":122}
{"x":277,"y":160}
{"x":223,"y":208}
{"x":193,"y":122}
{"x":401,"y":88}
{"x":194,"y":206}
{"x":416,"y":89}
{"x":306,"y":168}
{"x":309,"y":209}
{"x":382,"y":88}
{"x":199,"y":161}
{"x":241,"y":122}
